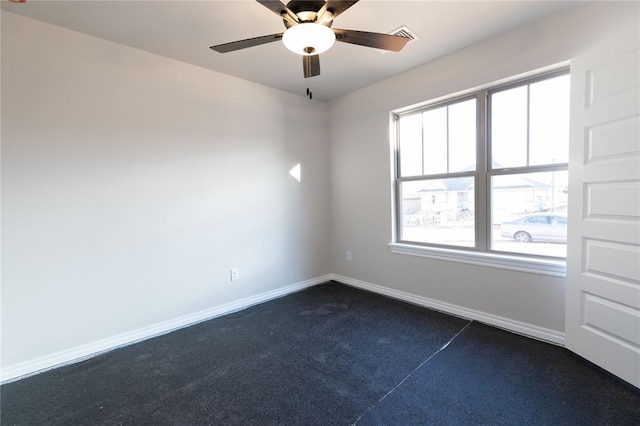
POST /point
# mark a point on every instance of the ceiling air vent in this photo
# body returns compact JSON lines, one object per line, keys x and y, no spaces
{"x":403,"y":31}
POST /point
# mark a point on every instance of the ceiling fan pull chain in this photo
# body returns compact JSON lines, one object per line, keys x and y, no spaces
{"x":309,"y":94}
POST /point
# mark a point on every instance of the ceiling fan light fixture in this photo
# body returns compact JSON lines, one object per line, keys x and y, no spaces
{"x":308,"y":38}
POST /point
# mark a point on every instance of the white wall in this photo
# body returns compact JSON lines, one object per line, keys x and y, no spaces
{"x":132,"y":183}
{"x":361,"y":169}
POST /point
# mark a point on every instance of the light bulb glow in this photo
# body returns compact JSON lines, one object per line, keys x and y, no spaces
{"x":308,"y":39}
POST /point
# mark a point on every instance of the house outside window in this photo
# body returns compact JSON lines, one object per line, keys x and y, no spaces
{"x":487,"y":172}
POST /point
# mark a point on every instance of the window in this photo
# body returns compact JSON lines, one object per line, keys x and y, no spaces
{"x":437,"y":173}
{"x":488,"y":172}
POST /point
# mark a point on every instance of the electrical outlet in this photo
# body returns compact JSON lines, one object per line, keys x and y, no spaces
{"x":235,"y":274}
{"x":349,"y":257}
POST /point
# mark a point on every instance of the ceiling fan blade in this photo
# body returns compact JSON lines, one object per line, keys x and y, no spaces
{"x":377,"y":40}
{"x":311,"y":65}
{"x":338,"y":6}
{"x":243,"y":44}
{"x":280,"y":9}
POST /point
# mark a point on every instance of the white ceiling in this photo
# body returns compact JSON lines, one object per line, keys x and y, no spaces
{"x":184,"y":30}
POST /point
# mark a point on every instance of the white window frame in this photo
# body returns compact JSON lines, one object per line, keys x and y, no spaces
{"x":481,"y":254}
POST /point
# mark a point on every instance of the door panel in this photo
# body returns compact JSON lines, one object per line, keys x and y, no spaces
{"x":603,"y":260}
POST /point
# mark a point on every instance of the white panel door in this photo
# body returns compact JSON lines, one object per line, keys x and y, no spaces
{"x":603,"y":260}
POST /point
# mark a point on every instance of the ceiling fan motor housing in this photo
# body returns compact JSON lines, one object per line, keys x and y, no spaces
{"x":297,"y":6}
{"x":306,"y":10}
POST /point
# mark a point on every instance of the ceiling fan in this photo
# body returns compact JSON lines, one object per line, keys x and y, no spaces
{"x":309,"y":33}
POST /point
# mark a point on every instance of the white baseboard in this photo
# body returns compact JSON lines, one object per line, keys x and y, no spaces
{"x":80,"y":353}
{"x":529,"y":330}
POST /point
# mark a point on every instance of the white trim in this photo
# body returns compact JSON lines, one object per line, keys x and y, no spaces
{"x":529,"y":330}
{"x":83,"y":352}
{"x":554,"y":268}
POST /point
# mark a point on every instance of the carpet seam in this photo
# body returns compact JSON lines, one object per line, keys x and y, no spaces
{"x":371,"y":407}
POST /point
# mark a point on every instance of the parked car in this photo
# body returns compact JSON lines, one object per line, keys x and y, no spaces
{"x":536,"y":227}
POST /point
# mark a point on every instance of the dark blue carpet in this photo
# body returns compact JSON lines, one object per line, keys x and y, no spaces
{"x":491,"y":377}
{"x":328,"y":355}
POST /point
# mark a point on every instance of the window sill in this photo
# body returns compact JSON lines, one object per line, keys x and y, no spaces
{"x":554,"y":268}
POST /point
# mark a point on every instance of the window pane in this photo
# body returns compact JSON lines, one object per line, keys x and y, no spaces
{"x":509,"y":128}
{"x":462,"y":136}
{"x":529,"y":212}
{"x":435,"y":141}
{"x":438,"y":211}
{"x":410,"y":145}
{"x":549,"y":121}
